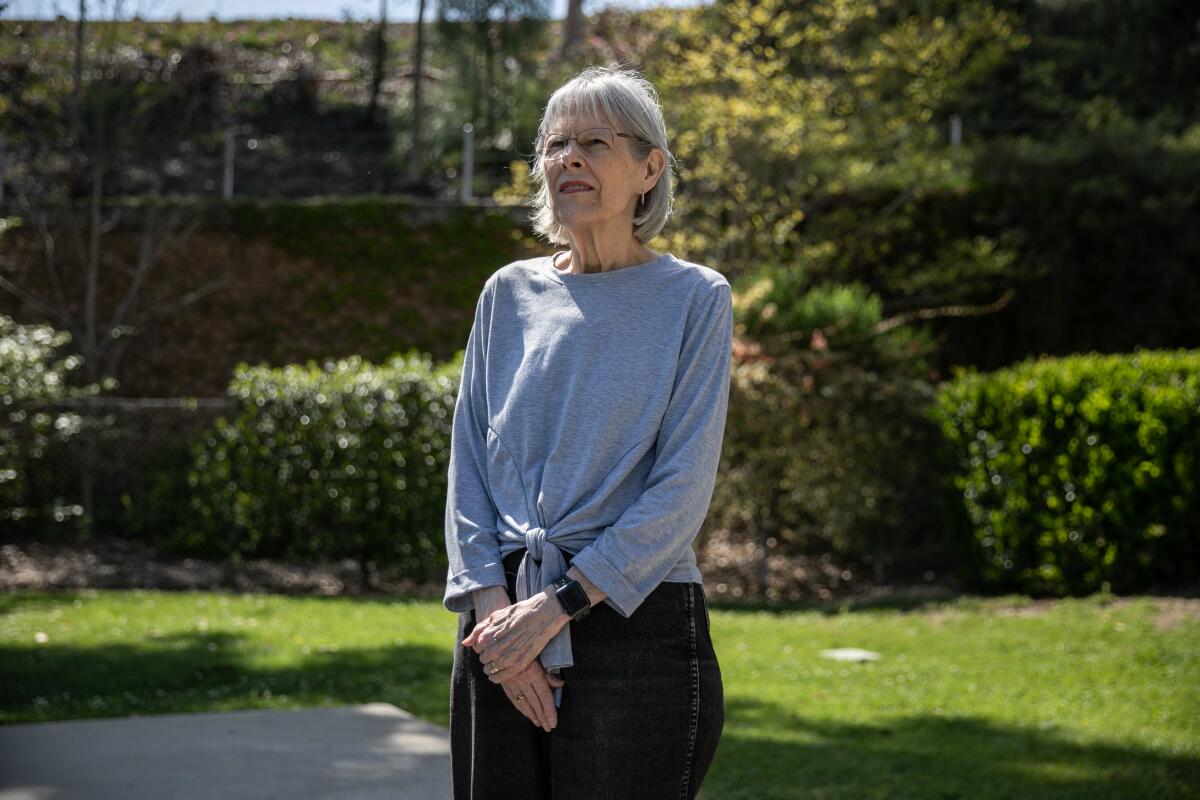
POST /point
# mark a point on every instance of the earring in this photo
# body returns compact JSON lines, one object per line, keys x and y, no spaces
{"x":643,"y":198}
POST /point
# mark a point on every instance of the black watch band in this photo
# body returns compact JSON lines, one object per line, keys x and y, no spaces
{"x":572,"y":597}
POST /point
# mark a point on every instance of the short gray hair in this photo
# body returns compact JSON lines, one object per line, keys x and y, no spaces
{"x":629,"y":102}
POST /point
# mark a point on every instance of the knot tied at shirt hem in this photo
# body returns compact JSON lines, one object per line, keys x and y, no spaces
{"x":542,"y":563}
{"x":535,"y":540}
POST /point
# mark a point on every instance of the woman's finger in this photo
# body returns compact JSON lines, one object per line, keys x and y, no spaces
{"x":472,"y":639}
{"x":507,"y":673}
{"x":533,"y":697}
{"x":522,"y":706}
{"x":541,"y":687}
{"x":497,"y":675}
{"x":535,"y":688}
{"x":504,"y":674}
{"x":546,"y":701}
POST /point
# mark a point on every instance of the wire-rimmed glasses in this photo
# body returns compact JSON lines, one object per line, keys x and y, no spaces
{"x":593,"y":141}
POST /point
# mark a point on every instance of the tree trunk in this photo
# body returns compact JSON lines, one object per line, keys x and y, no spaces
{"x":378,"y":64}
{"x":77,"y":88}
{"x":415,"y":154}
{"x":364,"y":572}
{"x":572,"y":28}
{"x":768,"y":526}
{"x":473,"y":73}
{"x":488,"y":86}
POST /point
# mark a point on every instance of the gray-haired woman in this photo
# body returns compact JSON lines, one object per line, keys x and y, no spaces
{"x":586,"y":438}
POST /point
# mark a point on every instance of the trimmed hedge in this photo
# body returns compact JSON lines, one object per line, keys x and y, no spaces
{"x":1077,"y":474}
{"x":334,"y":462}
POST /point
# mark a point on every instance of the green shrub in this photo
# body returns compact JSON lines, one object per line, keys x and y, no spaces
{"x":827,"y":440}
{"x":33,"y":384}
{"x":1078,"y":472}
{"x":344,"y":461}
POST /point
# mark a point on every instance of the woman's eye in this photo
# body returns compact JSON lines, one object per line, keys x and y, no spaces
{"x":596,"y":143}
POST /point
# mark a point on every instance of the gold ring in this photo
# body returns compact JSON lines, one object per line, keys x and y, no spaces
{"x":519,"y":698}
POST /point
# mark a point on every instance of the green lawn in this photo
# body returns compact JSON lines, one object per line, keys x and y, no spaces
{"x":972,"y":698}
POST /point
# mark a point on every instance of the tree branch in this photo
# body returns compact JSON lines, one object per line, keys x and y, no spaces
{"x":48,"y":250}
{"x":33,"y":300}
{"x":883,"y":326}
{"x":149,"y":256}
{"x":159,"y":309}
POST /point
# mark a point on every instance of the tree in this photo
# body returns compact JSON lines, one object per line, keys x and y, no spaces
{"x":784,"y":107}
{"x":415,"y":153}
{"x":78,"y":265}
{"x":378,"y":64}
{"x":484,"y":33}
{"x":572,"y":38}
{"x":77,"y":83}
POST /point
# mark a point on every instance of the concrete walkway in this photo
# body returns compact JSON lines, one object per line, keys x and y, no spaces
{"x":362,"y":752}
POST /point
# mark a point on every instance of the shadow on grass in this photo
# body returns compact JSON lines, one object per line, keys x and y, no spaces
{"x":931,"y":756}
{"x":12,"y":602}
{"x":899,"y":602}
{"x":196,"y":671}
{"x":26,"y":599}
{"x":926,"y":599}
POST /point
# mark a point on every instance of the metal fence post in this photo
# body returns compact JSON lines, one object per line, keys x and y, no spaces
{"x":468,"y":160}
{"x":955,"y":135}
{"x":227,"y":187}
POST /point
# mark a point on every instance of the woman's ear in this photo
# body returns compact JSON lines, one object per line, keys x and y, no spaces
{"x":655,"y":166}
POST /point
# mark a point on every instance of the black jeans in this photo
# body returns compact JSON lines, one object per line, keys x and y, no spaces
{"x":642,"y":709}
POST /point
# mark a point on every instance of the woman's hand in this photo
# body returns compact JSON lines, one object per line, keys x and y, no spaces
{"x":510,"y":638}
{"x":533,"y":685}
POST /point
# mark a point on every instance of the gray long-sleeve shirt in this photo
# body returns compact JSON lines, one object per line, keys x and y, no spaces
{"x":589,"y":420}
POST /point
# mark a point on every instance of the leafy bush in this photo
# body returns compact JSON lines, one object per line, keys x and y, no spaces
{"x":348,"y":460}
{"x":33,"y":377}
{"x":1079,"y":472}
{"x":827,"y":436}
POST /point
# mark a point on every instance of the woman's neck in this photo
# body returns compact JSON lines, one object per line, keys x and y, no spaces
{"x":587,"y":258}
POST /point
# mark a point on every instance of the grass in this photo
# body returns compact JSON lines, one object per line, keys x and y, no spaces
{"x":973,"y":698}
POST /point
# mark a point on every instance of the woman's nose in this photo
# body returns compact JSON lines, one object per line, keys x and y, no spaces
{"x":570,"y":153}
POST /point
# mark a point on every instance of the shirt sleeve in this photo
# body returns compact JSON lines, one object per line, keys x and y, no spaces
{"x":630,"y":558}
{"x":472,"y":546}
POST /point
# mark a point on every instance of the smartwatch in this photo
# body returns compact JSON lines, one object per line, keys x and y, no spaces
{"x":572,"y":597}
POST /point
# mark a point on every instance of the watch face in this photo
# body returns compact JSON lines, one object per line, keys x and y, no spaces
{"x":574,"y":599}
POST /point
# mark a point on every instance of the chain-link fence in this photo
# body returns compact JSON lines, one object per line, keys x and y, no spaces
{"x":246,"y":161}
{"x":122,"y":472}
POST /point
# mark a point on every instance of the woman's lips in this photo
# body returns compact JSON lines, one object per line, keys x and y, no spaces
{"x":575,"y":188}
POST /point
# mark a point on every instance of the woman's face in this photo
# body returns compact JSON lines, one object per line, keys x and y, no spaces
{"x":594,"y":178}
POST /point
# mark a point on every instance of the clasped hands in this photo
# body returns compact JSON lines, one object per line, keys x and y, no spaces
{"x":508,"y":641}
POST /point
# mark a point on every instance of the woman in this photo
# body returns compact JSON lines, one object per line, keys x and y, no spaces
{"x":585,"y":444}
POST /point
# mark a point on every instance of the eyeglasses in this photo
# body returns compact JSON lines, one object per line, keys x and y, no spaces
{"x":593,"y":141}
